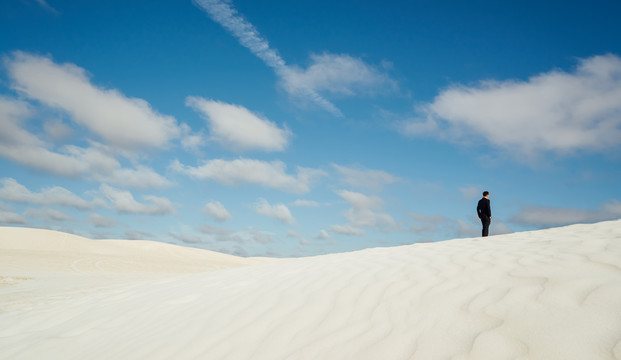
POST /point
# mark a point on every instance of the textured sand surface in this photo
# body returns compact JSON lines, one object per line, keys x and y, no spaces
{"x":550,"y":294}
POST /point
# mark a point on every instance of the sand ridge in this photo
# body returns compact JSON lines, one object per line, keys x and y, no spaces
{"x":113,"y":256}
{"x":551,"y":294}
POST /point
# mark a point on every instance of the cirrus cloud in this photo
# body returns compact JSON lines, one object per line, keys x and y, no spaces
{"x":328,"y":73}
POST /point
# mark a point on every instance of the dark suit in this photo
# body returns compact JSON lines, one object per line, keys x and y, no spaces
{"x":485,"y":214}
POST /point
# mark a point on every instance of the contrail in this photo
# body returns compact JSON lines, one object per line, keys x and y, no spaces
{"x":222,"y":12}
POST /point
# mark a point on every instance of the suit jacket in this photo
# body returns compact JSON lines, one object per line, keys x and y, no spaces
{"x":484,"y":209}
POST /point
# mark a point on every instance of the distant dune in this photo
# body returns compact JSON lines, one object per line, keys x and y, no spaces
{"x":549,"y":294}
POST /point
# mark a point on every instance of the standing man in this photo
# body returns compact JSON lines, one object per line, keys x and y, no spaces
{"x":485,"y":212}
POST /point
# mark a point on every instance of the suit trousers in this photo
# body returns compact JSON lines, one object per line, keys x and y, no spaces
{"x":485,"y":221}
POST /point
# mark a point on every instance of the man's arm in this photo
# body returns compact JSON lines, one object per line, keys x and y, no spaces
{"x":489,"y":208}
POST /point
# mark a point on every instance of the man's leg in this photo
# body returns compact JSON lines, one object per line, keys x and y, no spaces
{"x":485,"y":222}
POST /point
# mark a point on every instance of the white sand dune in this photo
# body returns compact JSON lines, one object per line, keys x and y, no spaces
{"x":551,"y":294}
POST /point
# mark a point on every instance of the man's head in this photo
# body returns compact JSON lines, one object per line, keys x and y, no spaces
{"x":486,"y":194}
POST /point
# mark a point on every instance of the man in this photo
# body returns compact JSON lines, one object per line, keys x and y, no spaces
{"x":485,"y":212}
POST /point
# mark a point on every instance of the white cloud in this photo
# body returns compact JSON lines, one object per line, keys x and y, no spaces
{"x":124,"y":202}
{"x":366,"y":178}
{"x":498,"y":227}
{"x":96,"y":162}
{"x":337,"y":74}
{"x":102,"y":221}
{"x":247,"y":236}
{"x":137,"y":235}
{"x":540,"y":216}
{"x":278,"y":211}
{"x":258,"y":236}
{"x":269,"y":174}
{"x":238,"y":242}
{"x":7,"y":216}
{"x":216,"y":210}
{"x":361,"y":201}
{"x":141,"y":177}
{"x":19,"y":145}
{"x":465,"y":229}
{"x":47,"y":214}
{"x":364,"y":211}
{"x":363,"y":214}
{"x":347,"y":229}
{"x":422,"y":223}
{"x":57,"y":130}
{"x":122,"y":122}
{"x":341,"y":74}
{"x":322,"y":235}
{"x":192,"y":141}
{"x":186,"y":238}
{"x":555,"y":111}
{"x":301,"y":239}
{"x":471,"y":192}
{"x":305,"y":203}
{"x":211,"y":230}
{"x":13,"y":191}
{"x":222,"y":234}
{"x":235,"y":127}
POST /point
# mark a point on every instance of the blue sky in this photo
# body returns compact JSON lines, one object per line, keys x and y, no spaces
{"x":293,"y":128}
